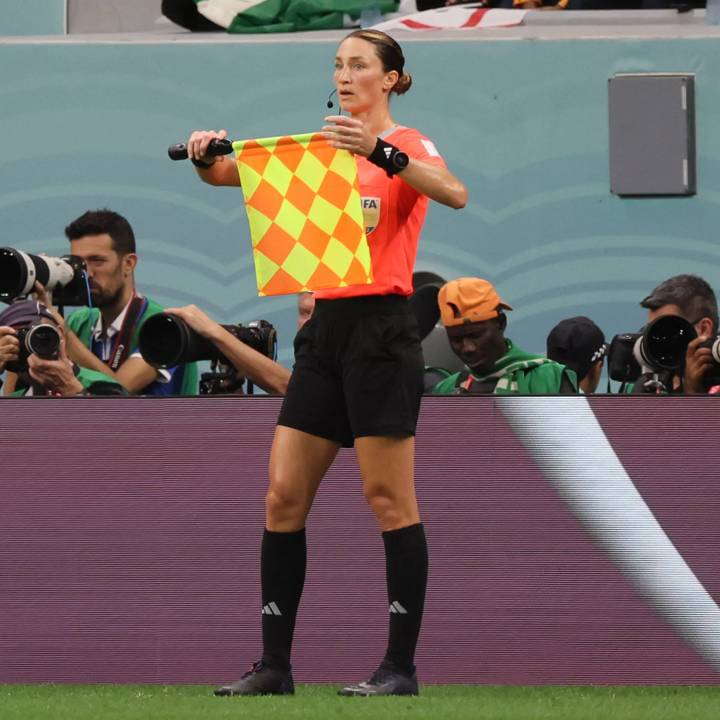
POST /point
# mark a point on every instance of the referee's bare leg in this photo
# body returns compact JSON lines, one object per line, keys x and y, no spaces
{"x":298,"y":462}
{"x":387,"y":468}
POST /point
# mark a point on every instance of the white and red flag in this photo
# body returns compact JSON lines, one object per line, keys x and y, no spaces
{"x":454,"y":17}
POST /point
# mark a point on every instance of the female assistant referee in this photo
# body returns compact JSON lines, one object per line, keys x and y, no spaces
{"x":358,"y":373}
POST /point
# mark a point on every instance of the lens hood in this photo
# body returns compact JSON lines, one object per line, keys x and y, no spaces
{"x":664,"y":343}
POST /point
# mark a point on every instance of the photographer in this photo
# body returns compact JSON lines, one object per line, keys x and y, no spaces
{"x":691,"y":298}
{"x":36,"y":376}
{"x":256,"y":367}
{"x":105,"y":337}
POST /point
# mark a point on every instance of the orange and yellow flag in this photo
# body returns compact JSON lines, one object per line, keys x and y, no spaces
{"x":303,"y":204}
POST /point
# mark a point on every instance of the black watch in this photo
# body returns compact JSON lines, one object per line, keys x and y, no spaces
{"x":399,"y":160}
{"x":388,"y":157}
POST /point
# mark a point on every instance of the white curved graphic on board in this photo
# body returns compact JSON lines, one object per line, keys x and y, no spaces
{"x":568,"y":444}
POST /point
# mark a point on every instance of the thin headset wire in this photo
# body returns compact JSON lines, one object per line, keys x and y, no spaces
{"x":87,"y":287}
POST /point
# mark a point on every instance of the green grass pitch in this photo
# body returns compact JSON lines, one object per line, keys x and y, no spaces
{"x":436,"y":702}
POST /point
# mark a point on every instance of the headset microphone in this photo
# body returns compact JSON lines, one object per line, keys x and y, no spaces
{"x":330,"y":103}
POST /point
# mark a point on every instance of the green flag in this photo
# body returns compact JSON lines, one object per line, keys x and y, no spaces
{"x":268,"y":16}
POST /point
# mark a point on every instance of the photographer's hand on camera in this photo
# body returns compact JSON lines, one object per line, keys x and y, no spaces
{"x":9,"y":347}
{"x":259,"y":369}
{"x":698,"y":362}
{"x":43,"y":296}
{"x":57,"y":376}
{"x":199,"y":321}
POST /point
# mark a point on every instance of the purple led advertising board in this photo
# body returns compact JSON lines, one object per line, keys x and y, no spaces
{"x":571,"y":540}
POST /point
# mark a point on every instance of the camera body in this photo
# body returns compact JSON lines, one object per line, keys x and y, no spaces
{"x":224,"y":378}
{"x":65,"y":277}
{"x":260,"y":335}
{"x":39,"y":339}
{"x":658,"y":350}
{"x":622,"y":364}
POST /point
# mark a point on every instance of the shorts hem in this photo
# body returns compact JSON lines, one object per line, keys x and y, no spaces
{"x":348,"y":441}
{"x":393,"y":431}
{"x":316,"y":432}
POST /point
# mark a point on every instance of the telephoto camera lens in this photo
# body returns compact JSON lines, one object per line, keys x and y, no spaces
{"x":18,"y":273}
{"x":664,"y":343}
{"x":166,"y":340}
{"x":64,"y":276}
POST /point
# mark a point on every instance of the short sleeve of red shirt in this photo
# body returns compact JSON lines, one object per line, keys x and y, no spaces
{"x":394,"y":213}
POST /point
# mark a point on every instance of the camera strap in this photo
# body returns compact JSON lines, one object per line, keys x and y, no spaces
{"x":121,"y":346}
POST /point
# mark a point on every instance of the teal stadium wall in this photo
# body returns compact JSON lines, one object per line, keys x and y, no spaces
{"x":32,"y":17}
{"x":524,"y":124}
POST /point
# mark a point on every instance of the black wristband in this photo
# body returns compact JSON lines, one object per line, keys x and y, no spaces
{"x":201,"y":164}
{"x":386,"y":156}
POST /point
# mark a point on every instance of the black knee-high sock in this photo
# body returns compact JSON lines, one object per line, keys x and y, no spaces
{"x":406,"y":562}
{"x":282,"y":568}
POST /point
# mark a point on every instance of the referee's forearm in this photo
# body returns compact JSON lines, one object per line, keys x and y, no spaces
{"x":438,"y":183}
{"x":222,"y":173}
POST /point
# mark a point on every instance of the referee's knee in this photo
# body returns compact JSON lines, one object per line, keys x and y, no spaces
{"x":283,"y":508}
{"x":390,"y":510}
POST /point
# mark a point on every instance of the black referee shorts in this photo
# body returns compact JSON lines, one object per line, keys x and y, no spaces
{"x":358,"y":370}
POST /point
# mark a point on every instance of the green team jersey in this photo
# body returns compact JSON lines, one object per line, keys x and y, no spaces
{"x":184,"y":377}
{"x":516,"y":373}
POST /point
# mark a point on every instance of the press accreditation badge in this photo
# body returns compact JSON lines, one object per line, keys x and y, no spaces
{"x":371,"y":213}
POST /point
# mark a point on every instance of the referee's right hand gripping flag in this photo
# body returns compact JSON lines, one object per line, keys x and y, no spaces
{"x":304,"y":208}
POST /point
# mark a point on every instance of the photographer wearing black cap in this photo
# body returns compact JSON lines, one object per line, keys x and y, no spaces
{"x":691,"y":298}
{"x":579,"y":344}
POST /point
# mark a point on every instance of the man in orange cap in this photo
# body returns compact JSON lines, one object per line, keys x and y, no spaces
{"x":474,"y":318}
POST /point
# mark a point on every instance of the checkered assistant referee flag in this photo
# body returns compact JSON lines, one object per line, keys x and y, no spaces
{"x":304,"y":208}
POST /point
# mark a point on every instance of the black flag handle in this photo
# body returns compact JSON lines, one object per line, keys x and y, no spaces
{"x":216,"y":147}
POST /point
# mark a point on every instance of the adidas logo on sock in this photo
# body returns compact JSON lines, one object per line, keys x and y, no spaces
{"x":397,"y":609}
{"x":271,"y":609}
